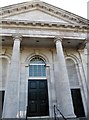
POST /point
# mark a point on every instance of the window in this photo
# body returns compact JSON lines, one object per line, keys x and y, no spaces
{"x":37,"y":67}
{"x":75,"y":88}
{"x":72,"y":73}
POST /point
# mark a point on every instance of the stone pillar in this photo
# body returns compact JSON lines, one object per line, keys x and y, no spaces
{"x":64,"y":100}
{"x":87,"y":46}
{"x":11,"y":107}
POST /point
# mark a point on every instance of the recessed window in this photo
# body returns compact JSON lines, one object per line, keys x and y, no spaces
{"x":37,"y":67}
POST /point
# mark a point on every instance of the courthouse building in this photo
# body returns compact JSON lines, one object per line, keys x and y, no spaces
{"x":43,"y":61}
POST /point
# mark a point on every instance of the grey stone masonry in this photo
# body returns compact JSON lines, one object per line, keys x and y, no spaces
{"x":11,"y":106}
{"x":87,"y":46}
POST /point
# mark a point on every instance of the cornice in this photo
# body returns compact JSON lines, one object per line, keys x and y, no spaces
{"x":26,"y":6}
{"x":37,"y":24}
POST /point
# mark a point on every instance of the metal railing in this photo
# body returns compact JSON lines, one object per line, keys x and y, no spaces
{"x":55,"y":113}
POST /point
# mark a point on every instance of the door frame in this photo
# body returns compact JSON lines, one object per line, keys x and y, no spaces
{"x":49,"y":73}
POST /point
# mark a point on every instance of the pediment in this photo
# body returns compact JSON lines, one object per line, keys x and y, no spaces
{"x":36,"y":15}
{"x":36,"y":10}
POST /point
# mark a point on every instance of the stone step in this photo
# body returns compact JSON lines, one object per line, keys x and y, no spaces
{"x":43,"y":118}
{"x":56,"y":119}
{"x":83,"y":118}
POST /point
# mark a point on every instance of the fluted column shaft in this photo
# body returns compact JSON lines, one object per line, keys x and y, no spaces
{"x":64,"y":99}
{"x":11,"y":107}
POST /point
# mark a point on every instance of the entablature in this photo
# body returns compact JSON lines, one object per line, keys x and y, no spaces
{"x":39,"y":24}
{"x":45,"y":41}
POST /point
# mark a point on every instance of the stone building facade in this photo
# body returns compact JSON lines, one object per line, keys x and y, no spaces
{"x":43,"y":61}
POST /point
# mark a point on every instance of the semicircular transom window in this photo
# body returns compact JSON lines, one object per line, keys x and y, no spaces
{"x":37,"y":67}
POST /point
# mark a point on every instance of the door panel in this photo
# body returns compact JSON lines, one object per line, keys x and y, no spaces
{"x":77,"y":102}
{"x":37,"y":98}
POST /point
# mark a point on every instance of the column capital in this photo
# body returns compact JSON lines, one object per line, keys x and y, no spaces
{"x":17,"y":37}
{"x":58,"y":38}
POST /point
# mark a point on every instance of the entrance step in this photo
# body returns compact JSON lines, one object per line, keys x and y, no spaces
{"x":57,"y":118}
{"x":83,"y":118}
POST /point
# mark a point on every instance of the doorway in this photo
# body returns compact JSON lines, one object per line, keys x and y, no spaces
{"x":37,"y":98}
{"x":1,"y":102}
{"x":77,"y":103}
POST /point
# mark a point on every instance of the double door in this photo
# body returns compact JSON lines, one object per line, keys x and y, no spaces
{"x":37,"y":98}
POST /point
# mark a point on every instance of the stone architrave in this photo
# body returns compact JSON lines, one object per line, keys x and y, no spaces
{"x":64,"y":100}
{"x":11,"y":107}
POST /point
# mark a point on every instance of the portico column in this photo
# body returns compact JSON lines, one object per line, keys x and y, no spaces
{"x":11,"y":107}
{"x":87,"y":46}
{"x":64,"y":100}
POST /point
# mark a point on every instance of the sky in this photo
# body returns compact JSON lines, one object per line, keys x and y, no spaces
{"x":78,"y":7}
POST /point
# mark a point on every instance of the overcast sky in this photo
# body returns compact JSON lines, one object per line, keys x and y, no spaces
{"x":78,"y":7}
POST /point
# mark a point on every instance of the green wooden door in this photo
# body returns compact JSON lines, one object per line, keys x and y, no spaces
{"x":37,"y":98}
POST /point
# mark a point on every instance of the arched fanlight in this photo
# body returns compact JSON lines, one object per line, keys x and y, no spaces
{"x":37,"y":67}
